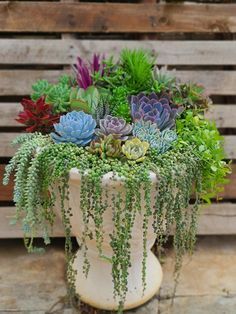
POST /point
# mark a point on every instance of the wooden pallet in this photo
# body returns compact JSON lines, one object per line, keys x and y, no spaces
{"x":41,"y":39}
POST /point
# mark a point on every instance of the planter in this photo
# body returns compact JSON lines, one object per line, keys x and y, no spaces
{"x":97,"y":288}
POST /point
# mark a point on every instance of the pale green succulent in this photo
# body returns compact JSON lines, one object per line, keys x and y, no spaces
{"x":135,"y":149}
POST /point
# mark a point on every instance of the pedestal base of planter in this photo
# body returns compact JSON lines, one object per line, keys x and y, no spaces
{"x":97,"y":289}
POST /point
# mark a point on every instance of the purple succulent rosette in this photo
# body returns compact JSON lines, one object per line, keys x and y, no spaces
{"x":116,"y":126}
{"x":154,"y":109}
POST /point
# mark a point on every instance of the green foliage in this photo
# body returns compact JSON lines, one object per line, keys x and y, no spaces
{"x":40,"y":88}
{"x":137,"y":65}
{"x":84,"y":99}
{"x":59,"y":97}
{"x":119,"y":103}
{"x":202,"y":135}
{"x":191,"y":96}
{"x":163,"y":81}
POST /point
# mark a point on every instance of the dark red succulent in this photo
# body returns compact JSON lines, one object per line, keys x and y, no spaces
{"x":37,"y":116}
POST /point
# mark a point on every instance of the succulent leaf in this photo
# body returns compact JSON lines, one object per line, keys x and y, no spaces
{"x":106,"y":146}
{"x":74,"y":127}
{"x":160,"y":141}
{"x":37,"y":116}
{"x":135,"y":149}
{"x":155,"y":109}
{"x":116,"y":126}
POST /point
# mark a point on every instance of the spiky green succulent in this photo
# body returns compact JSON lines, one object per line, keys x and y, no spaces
{"x":106,"y":146}
{"x":148,"y":131}
{"x":135,"y":149}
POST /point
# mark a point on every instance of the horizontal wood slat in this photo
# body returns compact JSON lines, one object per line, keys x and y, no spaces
{"x":8,"y":113}
{"x":223,"y":115}
{"x":215,"y":219}
{"x":64,"y":52}
{"x":18,"y":82}
{"x":21,"y":16}
{"x":228,"y":193}
{"x":15,"y":231}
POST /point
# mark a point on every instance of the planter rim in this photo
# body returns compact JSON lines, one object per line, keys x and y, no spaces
{"x":108,"y":178}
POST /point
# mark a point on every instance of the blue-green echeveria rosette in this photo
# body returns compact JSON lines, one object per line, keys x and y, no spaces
{"x":114,"y":125}
{"x":155,"y":109}
{"x":147,"y":131}
{"x":75,"y":127}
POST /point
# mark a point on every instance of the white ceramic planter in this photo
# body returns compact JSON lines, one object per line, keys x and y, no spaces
{"x":97,"y":289}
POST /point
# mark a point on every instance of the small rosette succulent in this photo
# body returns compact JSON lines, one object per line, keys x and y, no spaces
{"x":116,"y":126}
{"x":135,"y":149}
{"x":149,"y":132}
{"x":106,"y":146}
{"x":75,"y":127}
{"x":155,"y":109}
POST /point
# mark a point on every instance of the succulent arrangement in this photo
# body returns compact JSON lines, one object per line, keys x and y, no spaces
{"x":127,"y":117}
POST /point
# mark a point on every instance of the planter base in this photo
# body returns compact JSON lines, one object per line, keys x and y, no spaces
{"x":97,"y":289}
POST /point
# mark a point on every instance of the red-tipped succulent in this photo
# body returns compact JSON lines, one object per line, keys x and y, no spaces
{"x":37,"y":116}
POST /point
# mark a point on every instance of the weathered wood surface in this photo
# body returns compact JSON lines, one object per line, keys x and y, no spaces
{"x":24,"y":16}
{"x":223,"y":115}
{"x":8,"y":113}
{"x":215,"y":219}
{"x":215,"y":82}
{"x":18,"y":82}
{"x":64,"y":52}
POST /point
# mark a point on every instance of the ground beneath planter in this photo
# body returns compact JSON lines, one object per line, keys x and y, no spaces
{"x":36,"y":283}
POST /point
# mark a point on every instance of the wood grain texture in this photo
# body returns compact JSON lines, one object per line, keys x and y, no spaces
{"x":64,"y":52}
{"x":223,"y":115}
{"x":215,"y":219}
{"x":14,"y":231}
{"x":8,"y":114}
{"x":215,"y":82}
{"x":21,"y":16}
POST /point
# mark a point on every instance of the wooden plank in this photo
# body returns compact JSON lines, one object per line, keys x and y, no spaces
{"x":23,"y":16}
{"x":18,"y":82}
{"x":223,"y":115}
{"x":8,"y":113}
{"x":6,"y":149}
{"x":64,"y":52}
{"x":218,"y":219}
{"x":14,"y":231}
{"x":215,"y":82}
{"x":230,"y":146}
{"x":215,"y":219}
